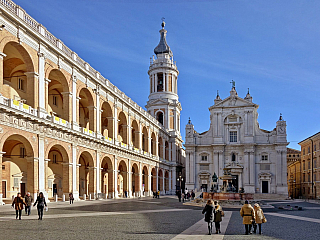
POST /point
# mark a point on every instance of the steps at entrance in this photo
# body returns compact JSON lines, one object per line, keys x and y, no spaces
{"x":269,"y":196}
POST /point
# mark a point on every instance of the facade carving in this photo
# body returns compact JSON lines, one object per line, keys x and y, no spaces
{"x":65,"y":128}
{"x":256,"y":158}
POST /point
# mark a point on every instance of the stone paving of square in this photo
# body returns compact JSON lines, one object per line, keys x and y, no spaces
{"x":149,"y":218}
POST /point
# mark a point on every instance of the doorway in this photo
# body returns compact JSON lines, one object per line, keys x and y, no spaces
{"x":265,"y":187}
{"x":55,"y":190}
{"x":23,"y":189}
{"x":204,"y":187}
{"x":4,"y":189}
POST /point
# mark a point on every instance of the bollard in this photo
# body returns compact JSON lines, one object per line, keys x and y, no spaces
{"x":56,"y":198}
{"x":63,"y":198}
{"x":84,"y":196}
{"x":90,"y":196}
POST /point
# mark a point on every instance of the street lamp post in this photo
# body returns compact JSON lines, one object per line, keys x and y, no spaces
{"x":180,"y":179}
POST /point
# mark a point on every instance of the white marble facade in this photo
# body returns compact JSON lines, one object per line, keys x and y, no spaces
{"x":255,"y":157}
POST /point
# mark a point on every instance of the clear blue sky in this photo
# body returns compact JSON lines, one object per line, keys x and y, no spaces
{"x":271,"y":47}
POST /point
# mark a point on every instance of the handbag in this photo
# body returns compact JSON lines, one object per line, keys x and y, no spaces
{"x":264,"y":220}
{"x":222,"y":213}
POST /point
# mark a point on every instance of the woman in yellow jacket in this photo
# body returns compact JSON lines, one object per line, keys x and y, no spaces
{"x":259,"y":218}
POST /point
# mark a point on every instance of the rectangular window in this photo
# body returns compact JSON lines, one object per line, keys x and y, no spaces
{"x":315,"y":147}
{"x":308,"y":149}
{"x":55,"y":101}
{"x":315,"y":163}
{"x":21,"y":84}
{"x":308,"y":164}
{"x":315,"y":177}
{"x":304,"y":165}
{"x":304,"y":177}
{"x":264,"y":157}
{"x":15,"y":182}
{"x":54,"y":158}
{"x":233,"y":136}
{"x":265,"y":167}
{"x":304,"y":151}
{"x":308,"y":177}
{"x":22,"y":152}
{"x":3,"y":167}
{"x":204,"y":158}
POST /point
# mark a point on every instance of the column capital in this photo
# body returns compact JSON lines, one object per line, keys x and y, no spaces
{"x":31,"y":74}
{"x":47,"y":81}
{"x":2,"y":153}
{"x":74,"y":78}
{"x":41,"y":55}
{"x":2,"y":55}
{"x":67,"y":93}
{"x":47,"y":160}
{"x":32,"y":159}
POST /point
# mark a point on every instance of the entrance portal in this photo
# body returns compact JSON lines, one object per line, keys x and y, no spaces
{"x":235,"y":183}
{"x":265,"y":186}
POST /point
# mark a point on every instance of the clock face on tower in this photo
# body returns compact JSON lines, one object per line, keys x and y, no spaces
{"x":281,"y":129}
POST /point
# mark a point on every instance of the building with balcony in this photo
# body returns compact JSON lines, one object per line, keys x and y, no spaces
{"x":310,"y":166}
{"x":236,"y":145}
{"x":65,"y":128}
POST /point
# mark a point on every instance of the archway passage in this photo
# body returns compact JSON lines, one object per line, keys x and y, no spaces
{"x":86,"y":174}
{"x":160,"y":183}
{"x":123,"y":128}
{"x":145,"y":139}
{"x":19,"y":168}
{"x":18,"y":79}
{"x":86,"y":110}
{"x":160,"y":147}
{"x":135,"y":180}
{"x":153,"y":180}
{"x":153,"y":144}
{"x":107,"y":186}
{"x":166,"y":182}
{"x":135,"y":134}
{"x":145,"y":180}
{"x":58,"y":95}
{"x":107,"y":120}
{"x":159,"y":117}
{"x":122,"y":184}
{"x":166,"y":150}
{"x":59,"y":173}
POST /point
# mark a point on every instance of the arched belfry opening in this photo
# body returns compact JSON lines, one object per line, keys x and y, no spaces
{"x":160,"y":117}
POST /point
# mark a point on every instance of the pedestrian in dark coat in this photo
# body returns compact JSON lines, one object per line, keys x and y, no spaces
{"x":71,"y":198}
{"x":179,"y":195}
{"x":217,"y":216}
{"x":208,"y":217}
{"x":28,"y":200}
{"x":18,"y":203}
{"x":41,"y":201}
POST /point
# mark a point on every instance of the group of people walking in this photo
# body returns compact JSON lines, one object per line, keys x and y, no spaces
{"x":213,"y":213}
{"x":18,"y":203}
{"x":185,"y":195}
{"x":252,"y":217}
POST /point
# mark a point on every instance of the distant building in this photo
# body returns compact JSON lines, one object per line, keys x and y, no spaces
{"x":294,"y":173}
{"x":235,"y":143}
{"x":310,"y":161}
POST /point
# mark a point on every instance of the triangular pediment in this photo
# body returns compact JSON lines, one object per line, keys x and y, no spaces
{"x":159,"y":101}
{"x":234,"y":101}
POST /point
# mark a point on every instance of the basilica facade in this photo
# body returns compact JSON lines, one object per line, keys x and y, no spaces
{"x":235,"y":145}
{"x":65,"y":128}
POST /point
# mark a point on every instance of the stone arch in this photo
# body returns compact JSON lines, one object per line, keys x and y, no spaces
{"x":107,"y":120}
{"x":135,"y":134}
{"x":123,"y":128}
{"x":18,"y":160}
{"x":86,"y":176}
{"x":58,"y":98}
{"x":18,"y":75}
{"x":107,"y":177}
{"x":135,"y":180}
{"x":122,"y":183}
{"x":59,"y":172}
{"x":86,"y":109}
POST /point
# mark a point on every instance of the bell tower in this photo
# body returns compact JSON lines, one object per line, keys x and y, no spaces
{"x":163,"y":73}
